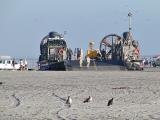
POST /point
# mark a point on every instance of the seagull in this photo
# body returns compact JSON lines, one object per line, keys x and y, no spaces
{"x":89,"y":99}
{"x":110,"y":102}
{"x":69,"y":100}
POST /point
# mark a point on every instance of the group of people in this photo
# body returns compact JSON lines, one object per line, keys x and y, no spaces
{"x":78,"y":55}
{"x":23,"y":64}
{"x":69,"y":55}
{"x":147,"y":61}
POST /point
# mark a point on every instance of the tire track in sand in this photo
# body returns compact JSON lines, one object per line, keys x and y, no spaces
{"x":65,"y":105}
{"x":16,"y":101}
{"x":63,"y":100}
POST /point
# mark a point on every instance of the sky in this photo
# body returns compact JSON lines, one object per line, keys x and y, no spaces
{"x":23,"y":23}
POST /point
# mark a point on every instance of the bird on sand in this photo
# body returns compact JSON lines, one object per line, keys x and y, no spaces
{"x":89,"y":99}
{"x":110,"y":102}
{"x":69,"y":100}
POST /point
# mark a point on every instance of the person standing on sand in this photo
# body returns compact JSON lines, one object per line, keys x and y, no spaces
{"x":89,"y":53}
{"x":88,"y":61}
{"x":80,"y":57}
{"x":13,"y":63}
{"x":70,"y":53}
{"x":75,"y":54}
{"x":78,"y":53}
{"x":21,"y":64}
{"x":25,"y":64}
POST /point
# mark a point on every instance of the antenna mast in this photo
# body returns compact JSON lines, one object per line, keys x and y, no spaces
{"x":130,"y":15}
{"x":64,"y":33}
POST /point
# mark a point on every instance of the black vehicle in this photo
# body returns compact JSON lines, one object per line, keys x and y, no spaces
{"x":52,"y":48}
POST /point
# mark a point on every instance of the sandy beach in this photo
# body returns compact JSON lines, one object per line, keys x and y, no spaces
{"x":37,"y":95}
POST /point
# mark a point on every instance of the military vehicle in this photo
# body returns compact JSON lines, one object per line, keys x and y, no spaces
{"x":115,"y":53}
{"x":8,"y":63}
{"x":121,"y":51}
{"x":52,"y":48}
{"x":156,"y":62}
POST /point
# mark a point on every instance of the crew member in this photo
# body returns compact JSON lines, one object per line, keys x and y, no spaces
{"x":69,"y":54}
{"x":13,"y":63}
{"x":80,"y":57}
{"x":21,"y":64}
{"x":137,"y":52}
{"x":25,"y":64}
{"x":61,"y":52}
{"x":88,"y":58}
{"x":75,"y":53}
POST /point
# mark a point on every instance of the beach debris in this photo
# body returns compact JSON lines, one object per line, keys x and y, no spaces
{"x":69,"y":100}
{"x":121,"y":88}
{"x":16,"y":100}
{"x":1,"y":83}
{"x":89,"y":99}
{"x":110,"y":102}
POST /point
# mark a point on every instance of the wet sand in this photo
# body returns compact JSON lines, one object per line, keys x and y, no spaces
{"x":36,"y":95}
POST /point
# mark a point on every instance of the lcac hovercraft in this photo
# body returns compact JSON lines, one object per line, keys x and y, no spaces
{"x":115,"y":53}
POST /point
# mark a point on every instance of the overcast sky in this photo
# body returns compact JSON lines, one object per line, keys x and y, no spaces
{"x":23,"y":23}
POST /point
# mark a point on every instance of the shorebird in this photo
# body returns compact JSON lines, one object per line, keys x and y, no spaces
{"x":110,"y":102}
{"x":89,"y":99}
{"x":69,"y":100}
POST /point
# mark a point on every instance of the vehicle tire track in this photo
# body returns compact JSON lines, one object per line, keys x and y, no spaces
{"x":78,"y":93}
{"x":63,"y":100}
{"x":16,"y":101}
{"x":37,"y":112}
{"x":60,"y":98}
{"x":58,"y":116}
{"x":63,"y":108}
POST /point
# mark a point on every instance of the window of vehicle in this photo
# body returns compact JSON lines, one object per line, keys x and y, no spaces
{"x":3,"y":61}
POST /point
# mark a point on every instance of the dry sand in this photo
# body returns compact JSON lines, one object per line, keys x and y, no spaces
{"x":41,"y":95}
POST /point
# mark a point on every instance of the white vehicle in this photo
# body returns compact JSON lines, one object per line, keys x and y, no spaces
{"x":6,"y":63}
